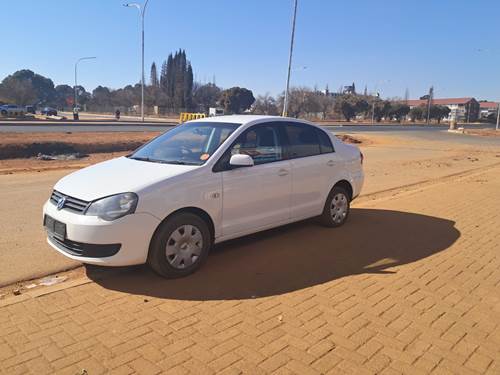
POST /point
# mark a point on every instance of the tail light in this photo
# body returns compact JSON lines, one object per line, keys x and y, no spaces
{"x":361,"y":156}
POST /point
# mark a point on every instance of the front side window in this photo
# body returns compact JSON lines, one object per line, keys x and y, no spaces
{"x":302,"y":141}
{"x":261,"y":143}
{"x":190,"y":144}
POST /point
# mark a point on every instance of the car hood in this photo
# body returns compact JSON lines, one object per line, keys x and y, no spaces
{"x":116,"y":176}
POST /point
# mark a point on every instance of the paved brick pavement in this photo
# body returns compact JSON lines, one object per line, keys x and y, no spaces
{"x":410,"y":285}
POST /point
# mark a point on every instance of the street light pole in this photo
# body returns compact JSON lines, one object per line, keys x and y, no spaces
{"x":142,"y":12}
{"x":498,"y":116}
{"x":76,"y":77}
{"x":285,"y":102}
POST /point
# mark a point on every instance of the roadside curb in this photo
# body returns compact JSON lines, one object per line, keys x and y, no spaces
{"x":44,"y":291}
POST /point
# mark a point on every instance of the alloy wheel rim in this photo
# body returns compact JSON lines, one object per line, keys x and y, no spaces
{"x":338,"y":208}
{"x":184,"y":246}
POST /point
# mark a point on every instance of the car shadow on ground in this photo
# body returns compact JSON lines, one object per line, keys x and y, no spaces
{"x":296,"y":256}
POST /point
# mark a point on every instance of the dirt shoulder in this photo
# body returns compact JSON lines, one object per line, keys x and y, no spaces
{"x":26,"y":145}
{"x":483,"y":132}
{"x":11,"y":166}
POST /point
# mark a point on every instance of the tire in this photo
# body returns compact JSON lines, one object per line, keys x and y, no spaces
{"x":173,"y":253}
{"x":337,"y":207}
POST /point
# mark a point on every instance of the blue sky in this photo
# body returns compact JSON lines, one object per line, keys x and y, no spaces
{"x":388,"y":45}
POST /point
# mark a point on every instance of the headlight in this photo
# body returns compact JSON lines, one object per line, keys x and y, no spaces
{"x":113,"y":207}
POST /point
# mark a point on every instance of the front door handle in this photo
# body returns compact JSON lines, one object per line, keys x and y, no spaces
{"x":283,"y":172}
{"x":330,"y":163}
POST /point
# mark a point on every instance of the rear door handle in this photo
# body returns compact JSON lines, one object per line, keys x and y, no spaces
{"x":330,"y":163}
{"x":283,"y":172}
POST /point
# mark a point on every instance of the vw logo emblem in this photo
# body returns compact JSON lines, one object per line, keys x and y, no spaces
{"x":61,"y":203}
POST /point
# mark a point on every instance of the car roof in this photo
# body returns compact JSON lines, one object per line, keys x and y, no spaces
{"x":245,"y":119}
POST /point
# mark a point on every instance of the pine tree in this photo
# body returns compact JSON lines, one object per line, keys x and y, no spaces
{"x":154,"y":76}
{"x":176,"y":81}
{"x":169,"y":86}
{"x":163,"y":76}
{"x":188,"y":94}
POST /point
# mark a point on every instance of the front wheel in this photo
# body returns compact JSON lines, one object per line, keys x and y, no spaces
{"x":180,"y":245}
{"x":336,"y":208}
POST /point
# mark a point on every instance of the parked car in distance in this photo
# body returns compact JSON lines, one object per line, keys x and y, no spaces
{"x":48,"y":111}
{"x":203,"y":182}
{"x":12,"y":110}
{"x":30,"y":109}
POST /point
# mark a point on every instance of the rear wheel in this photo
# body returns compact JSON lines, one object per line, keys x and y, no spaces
{"x":180,"y":245}
{"x":336,"y":208}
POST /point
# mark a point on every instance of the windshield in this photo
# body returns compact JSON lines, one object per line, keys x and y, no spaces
{"x":190,"y":144}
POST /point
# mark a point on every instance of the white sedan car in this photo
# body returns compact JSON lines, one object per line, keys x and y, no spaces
{"x":201,"y":183}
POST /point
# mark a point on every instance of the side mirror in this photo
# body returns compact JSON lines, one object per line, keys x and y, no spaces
{"x":240,"y":160}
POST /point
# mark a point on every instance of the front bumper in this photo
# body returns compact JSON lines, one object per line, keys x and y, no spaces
{"x":131,"y":234}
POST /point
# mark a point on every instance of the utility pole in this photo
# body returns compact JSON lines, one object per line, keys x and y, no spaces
{"x":429,"y":103}
{"x":285,"y":101}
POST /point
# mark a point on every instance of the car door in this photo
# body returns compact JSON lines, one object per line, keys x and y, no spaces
{"x":312,"y":160}
{"x":259,"y":196}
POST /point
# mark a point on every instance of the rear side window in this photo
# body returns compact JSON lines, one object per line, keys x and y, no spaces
{"x":302,"y":141}
{"x":325,"y":143}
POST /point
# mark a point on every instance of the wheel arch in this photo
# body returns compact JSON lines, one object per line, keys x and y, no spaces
{"x":345,"y":185}
{"x":205,"y":216}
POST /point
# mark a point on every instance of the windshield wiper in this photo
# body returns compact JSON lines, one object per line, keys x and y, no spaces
{"x":139,"y":158}
{"x":178,"y":162}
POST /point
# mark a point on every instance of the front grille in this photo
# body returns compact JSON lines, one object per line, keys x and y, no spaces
{"x":85,"y":249}
{"x":71,"y":203}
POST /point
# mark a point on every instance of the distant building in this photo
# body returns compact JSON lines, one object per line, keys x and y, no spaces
{"x":351,"y":89}
{"x":487,"y":109}
{"x":461,"y":109}
{"x":327,"y":92}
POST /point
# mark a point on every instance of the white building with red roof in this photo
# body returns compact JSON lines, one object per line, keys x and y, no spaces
{"x":461,"y":109}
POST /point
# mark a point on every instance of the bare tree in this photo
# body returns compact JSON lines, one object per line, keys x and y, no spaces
{"x":265,"y":105}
